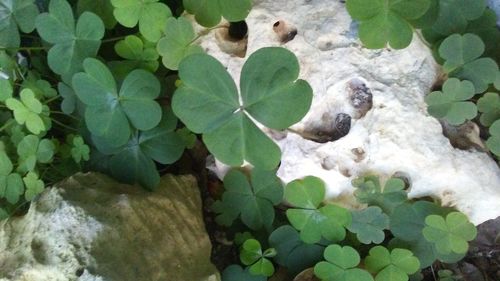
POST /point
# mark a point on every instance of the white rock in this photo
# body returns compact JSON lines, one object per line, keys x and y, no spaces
{"x":397,"y":134}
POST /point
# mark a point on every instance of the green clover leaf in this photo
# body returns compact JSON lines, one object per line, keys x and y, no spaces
{"x":314,"y":222}
{"x":5,"y":89}
{"x":177,"y":42}
{"x":109,"y":113}
{"x":208,"y":12}
{"x":493,"y":143}
{"x":451,"y":103}
{"x":40,"y":87}
{"x":235,"y":272}
{"x":80,"y":151}
{"x":72,"y":44}
{"x":461,"y":54}
{"x":391,"y":266}
{"x":497,"y":81}
{"x":70,"y":100}
{"x":340,"y":265}
{"x":386,"y":21}
{"x":369,"y":191}
{"x":32,"y":150}
{"x":14,"y":15}
{"x":252,"y":255}
{"x":138,"y":53}
{"x":207,"y":101}
{"x":27,"y":111}
{"x":102,"y":8}
{"x":369,"y":225}
{"x":489,"y":105}
{"x":11,"y":184}
{"x":151,"y":15}
{"x":252,"y":200}
{"x":292,"y":252}
{"x":454,"y":15}
{"x":34,"y":185}
{"x":4,"y":214}
{"x":450,"y":235}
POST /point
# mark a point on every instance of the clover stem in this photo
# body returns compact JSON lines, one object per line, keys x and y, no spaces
{"x":62,"y":113}
{"x":113,"y":39}
{"x":24,"y":49}
{"x":64,"y":126}
{"x":52,"y":99}
{"x":6,"y":125}
{"x":205,"y":32}
{"x":423,"y":40}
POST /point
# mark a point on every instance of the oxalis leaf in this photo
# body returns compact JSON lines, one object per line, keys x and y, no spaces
{"x":110,"y":114}
{"x":253,"y":200}
{"x":15,"y":15}
{"x":341,"y":265}
{"x":34,"y":186}
{"x":461,"y":54}
{"x":489,"y":105}
{"x":32,"y":150}
{"x":177,"y":43}
{"x":207,"y":101}
{"x":102,"y":8}
{"x":369,"y":225}
{"x":450,"y":235}
{"x":251,"y":254}
{"x":139,"y":54}
{"x":11,"y":184}
{"x":454,"y":15}
{"x":391,"y":266}
{"x":386,"y":21}
{"x":151,"y":15}
{"x":208,"y":12}
{"x":493,"y":143}
{"x":235,"y":272}
{"x":451,"y":103}
{"x":369,"y":191}
{"x":72,"y":44}
{"x":313,"y":221}
{"x":28,"y":111}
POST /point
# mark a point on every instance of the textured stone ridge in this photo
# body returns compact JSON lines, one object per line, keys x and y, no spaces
{"x":89,"y":227}
{"x":391,"y":133}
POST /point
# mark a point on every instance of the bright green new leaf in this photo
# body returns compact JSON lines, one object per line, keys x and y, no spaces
{"x":369,"y":225}
{"x":102,"y":8}
{"x":461,"y":54}
{"x":251,"y":254}
{"x":489,"y":105}
{"x":15,"y":15}
{"x":369,"y":191}
{"x":207,"y":101}
{"x":386,"y":21}
{"x":253,"y":200}
{"x":235,"y":272}
{"x":34,"y":185}
{"x":5,"y":89}
{"x":139,"y":54}
{"x":80,"y":151}
{"x":72,"y":44}
{"x":340,"y":265}
{"x":27,"y":111}
{"x":151,"y":15}
{"x":177,"y":42}
{"x":493,"y":143}
{"x":314,"y":222}
{"x":455,"y":14}
{"x":40,"y":87}
{"x":391,"y":266}
{"x":111,"y":113}
{"x":450,"y":235}
{"x":32,"y":150}
{"x":452,"y":102}
{"x":292,"y":252}
{"x":208,"y":12}
{"x":11,"y":184}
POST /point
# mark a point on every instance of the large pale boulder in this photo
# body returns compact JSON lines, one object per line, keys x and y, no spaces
{"x":383,"y":93}
{"x":89,"y":227}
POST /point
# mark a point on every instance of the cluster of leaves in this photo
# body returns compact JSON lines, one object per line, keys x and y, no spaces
{"x":465,"y":39}
{"x":87,"y":85}
{"x":390,"y":240}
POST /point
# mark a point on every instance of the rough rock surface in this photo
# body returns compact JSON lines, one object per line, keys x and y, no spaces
{"x":91,"y":228}
{"x":392,"y":134}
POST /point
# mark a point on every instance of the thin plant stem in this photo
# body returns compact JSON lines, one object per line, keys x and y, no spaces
{"x":24,"y":49}
{"x":113,"y":39}
{"x":52,"y":99}
{"x":6,"y":125}
{"x":68,"y":115}
{"x":64,"y":126}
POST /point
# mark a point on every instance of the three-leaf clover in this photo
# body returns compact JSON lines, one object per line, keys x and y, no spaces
{"x":111,"y":113}
{"x":451,"y":103}
{"x":386,"y":21}
{"x":253,"y":200}
{"x":32,"y":150}
{"x":15,"y":15}
{"x":207,"y":101}
{"x":34,"y":185}
{"x":208,"y":12}
{"x":11,"y":184}
{"x":151,"y":15}
{"x":391,"y":266}
{"x":454,"y":15}
{"x":313,"y":221}
{"x":177,"y":42}
{"x":369,"y":191}
{"x":341,"y":265}
{"x":292,"y":252}
{"x":252,"y":255}
{"x":102,"y":8}
{"x":27,"y":111}
{"x":80,"y":151}
{"x":369,"y":225}
{"x":139,"y":54}
{"x":489,"y":105}
{"x":235,"y":272}
{"x":450,"y":235}
{"x":493,"y":143}
{"x":461,"y":54}
{"x":72,"y":44}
